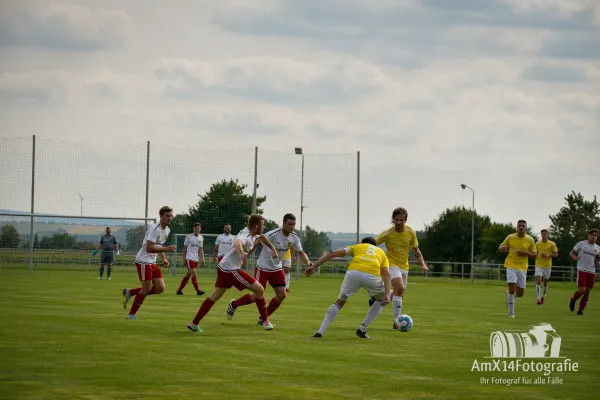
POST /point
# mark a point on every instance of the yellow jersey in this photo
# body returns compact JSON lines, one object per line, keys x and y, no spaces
{"x":367,"y":258}
{"x":514,"y":243}
{"x":549,"y":247}
{"x":398,"y":245}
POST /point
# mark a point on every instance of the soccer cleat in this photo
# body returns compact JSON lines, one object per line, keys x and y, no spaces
{"x":180,"y":293}
{"x":193,"y":327}
{"x":542,"y":300}
{"x":371,"y":301}
{"x":318,"y":334}
{"x":268,"y":326}
{"x":395,"y":326}
{"x":259,"y":321}
{"x":539,"y":302}
{"x":287,"y":290}
{"x":108,"y":279}
{"x":126,"y":297}
{"x":100,"y":278}
{"x":572,"y":305}
{"x":362,"y":335}
{"x":511,"y":315}
{"x":200,"y":292}
{"x":230,"y":310}
{"x":131,"y":316}
{"x":579,"y":312}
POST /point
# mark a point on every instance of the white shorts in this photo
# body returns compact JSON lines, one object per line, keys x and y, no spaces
{"x":543,"y":272}
{"x":354,"y":280}
{"x":397,"y":272}
{"x":516,"y":276}
{"x":286,"y":263}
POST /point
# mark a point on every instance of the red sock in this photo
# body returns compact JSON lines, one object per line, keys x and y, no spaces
{"x":184,"y":282}
{"x":242,"y":301}
{"x":583,"y":302}
{"x":273,"y":306}
{"x":135,"y":291}
{"x":261,"y":304}
{"x":203,"y":310}
{"x":137,"y":303}
{"x":577,"y":295}
{"x":195,"y":283}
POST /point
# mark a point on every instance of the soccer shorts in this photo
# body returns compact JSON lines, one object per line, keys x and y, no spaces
{"x":147,"y":272}
{"x":516,"y":276}
{"x":107,"y":257}
{"x":240,"y":279}
{"x":354,"y":280}
{"x":275,"y":278}
{"x":397,"y":272}
{"x":190,"y":264}
{"x":585,"y":279}
{"x":543,"y":272}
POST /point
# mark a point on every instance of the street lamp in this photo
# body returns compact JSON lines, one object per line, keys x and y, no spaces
{"x":472,"y":227}
{"x":298,"y":150}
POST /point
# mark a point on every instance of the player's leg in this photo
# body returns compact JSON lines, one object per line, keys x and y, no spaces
{"x":511,"y":279}
{"x":101,"y":271}
{"x":185,"y":279}
{"x":375,"y":288}
{"x":259,"y":297}
{"x":581,"y":286}
{"x":277,"y":280}
{"x":350,"y":285}
{"x":521,"y":283}
{"x":288,"y":277}
{"x":398,"y":292}
{"x":539,"y":276}
{"x":194,"y":275}
{"x":207,"y":304}
{"x":545,"y":280}
{"x":591,"y":278}
{"x":248,"y":298}
{"x":110,"y":260}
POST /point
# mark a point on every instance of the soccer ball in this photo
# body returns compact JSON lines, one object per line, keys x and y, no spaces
{"x":405,"y":323}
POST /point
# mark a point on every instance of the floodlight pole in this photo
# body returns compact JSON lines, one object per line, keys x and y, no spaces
{"x":472,"y":227}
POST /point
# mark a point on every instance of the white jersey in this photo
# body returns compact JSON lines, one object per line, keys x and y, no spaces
{"x":157,"y":235}
{"x":282,"y":244}
{"x":193,"y":243}
{"x":231,"y":260}
{"x":225,"y":243}
{"x":588,"y":253}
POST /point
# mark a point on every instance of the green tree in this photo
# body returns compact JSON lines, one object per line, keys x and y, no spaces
{"x":315,"y":243}
{"x":571,"y":223}
{"x":60,"y":240}
{"x":9,"y":237}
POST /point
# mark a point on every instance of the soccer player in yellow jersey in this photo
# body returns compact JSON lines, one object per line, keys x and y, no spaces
{"x":399,"y":240}
{"x":519,"y":246}
{"x":369,"y":264}
{"x":547,"y":250}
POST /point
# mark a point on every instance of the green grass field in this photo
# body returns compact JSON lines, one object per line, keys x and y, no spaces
{"x":64,"y":336}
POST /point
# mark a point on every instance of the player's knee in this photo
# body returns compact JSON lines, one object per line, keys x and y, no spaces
{"x":280,"y":296}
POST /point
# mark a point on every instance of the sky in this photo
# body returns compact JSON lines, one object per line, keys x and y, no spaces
{"x":502,"y":95}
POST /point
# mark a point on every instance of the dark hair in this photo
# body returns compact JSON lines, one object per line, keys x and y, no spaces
{"x":164,"y":210}
{"x":288,"y":216}
{"x":227,"y":224}
{"x":370,"y":240}
{"x":197,"y":224}
{"x":521,"y":221}
{"x":544,"y":230}
{"x":399,"y":211}
{"x":255,"y":220}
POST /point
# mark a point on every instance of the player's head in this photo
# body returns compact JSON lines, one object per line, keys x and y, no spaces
{"x":197,"y":227}
{"x":108,"y":230}
{"x":544,"y":234}
{"x":399,"y":217}
{"x":166,"y":215}
{"x":593,"y":235}
{"x":521,"y":226}
{"x":256,"y":223}
{"x":289,"y":223}
{"x":227,"y":229}
{"x":370,"y":240}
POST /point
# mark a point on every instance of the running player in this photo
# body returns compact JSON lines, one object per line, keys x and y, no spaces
{"x":145,"y":261}
{"x":229,"y":272}
{"x":369,"y":263}
{"x":587,"y":254}
{"x":547,"y":250}
{"x":194,"y":244}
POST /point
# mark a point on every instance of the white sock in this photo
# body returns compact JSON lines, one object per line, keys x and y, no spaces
{"x":537,"y":291}
{"x":545,"y":291}
{"x":329,"y":317}
{"x":511,"y":303}
{"x":288,"y":276}
{"x":397,"y":304}
{"x":373,"y":313}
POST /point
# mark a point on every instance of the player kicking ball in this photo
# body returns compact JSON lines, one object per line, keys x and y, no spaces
{"x":229,"y":273}
{"x":366,"y":269}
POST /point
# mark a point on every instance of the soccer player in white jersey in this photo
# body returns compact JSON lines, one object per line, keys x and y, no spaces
{"x":543,"y":264}
{"x":369,"y":263}
{"x":193,"y":251}
{"x":587,"y":255}
{"x":229,"y":272}
{"x":145,"y":261}
{"x":223,"y":243}
{"x":269,"y":269}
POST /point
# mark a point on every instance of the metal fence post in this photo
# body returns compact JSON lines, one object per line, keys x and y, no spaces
{"x":32,"y":207}
{"x":358,"y":197}
{"x":147,"y":180}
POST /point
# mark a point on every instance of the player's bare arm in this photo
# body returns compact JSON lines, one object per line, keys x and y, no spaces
{"x":164,"y":259}
{"x":574,"y":255}
{"x":202,"y":254}
{"x":152,"y":247}
{"x":265,"y":241}
{"x":419,"y":256}
{"x":526,"y":253}
{"x":326,"y":257}
{"x":387,"y":283}
{"x":305,"y":258}
{"x":215,"y":252}
{"x":184,"y":254}
{"x":238,"y":245}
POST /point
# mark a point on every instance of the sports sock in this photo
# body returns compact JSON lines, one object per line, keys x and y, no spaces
{"x":137,"y":303}
{"x":134,"y":292}
{"x":203,"y":310}
{"x":545,"y":291}
{"x":261,"y":304}
{"x":195,"y":283}
{"x":288,"y":278}
{"x":108,"y":271}
{"x":242,"y":301}
{"x":329,"y":317}
{"x":510,"y":299}
{"x":373,"y":313}
{"x":184,"y":282}
{"x":273,"y":306}
{"x":583,"y":303}
{"x":101,"y":272}
{"x":537,"y":291}
{"x":397,"y":304}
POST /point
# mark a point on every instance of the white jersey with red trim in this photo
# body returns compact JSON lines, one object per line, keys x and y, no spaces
{"x":231,"y":260}
{"x":157,"y":235}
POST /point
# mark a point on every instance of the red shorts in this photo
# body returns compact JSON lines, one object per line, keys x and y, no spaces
{"x":238,"y":278}
{"x":586,"y":279}
{"x":219,"y":258}
{"x":191,"y":264}
{"x":147,"y":272}
{"x":275,"y":278}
